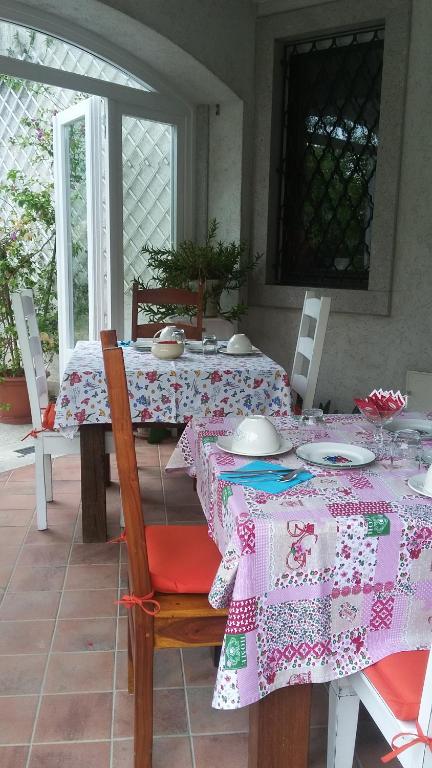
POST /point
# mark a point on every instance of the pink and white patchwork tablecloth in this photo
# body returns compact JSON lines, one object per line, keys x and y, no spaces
{"x":322,"y":579}
{"x":171,"y":391}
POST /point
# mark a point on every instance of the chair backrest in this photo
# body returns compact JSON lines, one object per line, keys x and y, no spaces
{"x":139,"y":576}
{"x":425,"y":713}
{"x":309,"y":348}
{"x":178,"y":297}
{"x":31,"y":352}
{"x":419,"y":391}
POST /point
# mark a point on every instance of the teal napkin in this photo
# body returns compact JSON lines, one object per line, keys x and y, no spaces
{"x":124,"y":343}
{"x":267,"y":483}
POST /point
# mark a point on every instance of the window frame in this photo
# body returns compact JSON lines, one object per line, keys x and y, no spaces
{"x":326,"y":20}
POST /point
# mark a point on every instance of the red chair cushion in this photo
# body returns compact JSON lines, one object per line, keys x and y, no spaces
{"x":182,"y":558}
{"x":48,"y":416}
{"x":399,"y":680}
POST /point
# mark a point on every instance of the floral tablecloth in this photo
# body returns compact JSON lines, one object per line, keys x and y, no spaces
{"x":171,"y":391}
{"x":322,"y":579}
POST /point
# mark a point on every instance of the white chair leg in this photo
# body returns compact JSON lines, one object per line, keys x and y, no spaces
{"x":342,"y":726}
{"x":41,"y":508}
{"x":48,"y":477}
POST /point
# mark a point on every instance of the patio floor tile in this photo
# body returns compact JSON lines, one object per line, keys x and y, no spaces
{"x":77,"y":672}
{"x":21,"y":674}
{"x":81,"y":604}
{"x":13,"y":757}
{"x":29,"y":605}
{"x":54,"y":554}
{"x":86,"y":755}
{"x":17,"y":714}
{"x":91,"y":577}
{"x":56,"y":534}
{"x":74,"y":717}
{"x":94,"y":554}
{"x":25,"y":637}
{"x":199,"y":667}
{"x":229,"y":750}
{"x":84,"y":635}
{"x":45,"y":578}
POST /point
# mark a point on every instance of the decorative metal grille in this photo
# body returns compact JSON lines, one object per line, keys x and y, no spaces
{"x":331,"y":110}
{"x":147,"y":145}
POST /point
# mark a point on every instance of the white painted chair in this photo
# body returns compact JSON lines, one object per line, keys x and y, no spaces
{"x":47,"y":442}
{"x":310,"y":342}
{"x":396,"y":688}
{"x":419,"y":391}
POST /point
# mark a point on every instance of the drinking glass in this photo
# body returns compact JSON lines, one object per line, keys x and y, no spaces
{"x":312,"y":416}
{"x":209,"y":344}
{"x":179,"y":335}
{"x":406,"y":449}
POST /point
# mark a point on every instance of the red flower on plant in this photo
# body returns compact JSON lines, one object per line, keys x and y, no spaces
{"x":215,"y":377}
{"x":74,"y":378}
{"x":151,"y":376}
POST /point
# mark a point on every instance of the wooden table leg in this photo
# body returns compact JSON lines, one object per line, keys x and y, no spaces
{"x":93,"y":497}
{"x":279,"y":729}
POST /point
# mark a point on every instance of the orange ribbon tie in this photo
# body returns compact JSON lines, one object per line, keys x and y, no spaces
{"x":118,"y":539}
{"x":416,"y":738}
{"x":131,"y":600}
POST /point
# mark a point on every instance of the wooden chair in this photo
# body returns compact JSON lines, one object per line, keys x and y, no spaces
{"x":309,"y":347}
{"x":47,"y":442}
{"x":397,"y":692}
{"x":171,"y":569}
{"x":175,"y":296}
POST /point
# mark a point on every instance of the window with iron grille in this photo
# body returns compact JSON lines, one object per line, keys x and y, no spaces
{"x":327,"y":161}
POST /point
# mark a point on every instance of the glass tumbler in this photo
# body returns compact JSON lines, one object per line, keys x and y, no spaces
{"x":179,"y":335}
{"x":209,"y":344}
{"x":312,"y":416}
{"x":406,"y":449}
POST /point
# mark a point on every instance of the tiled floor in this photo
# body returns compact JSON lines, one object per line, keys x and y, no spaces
{"x":63,"y":697}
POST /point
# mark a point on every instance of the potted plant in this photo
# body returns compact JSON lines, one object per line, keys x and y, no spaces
{"x":220,"y":266}
{"x":22,"y":266}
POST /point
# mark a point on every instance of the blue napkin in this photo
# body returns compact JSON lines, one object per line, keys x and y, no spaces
{"x":124,"y":343}
{"x":267,"y":483}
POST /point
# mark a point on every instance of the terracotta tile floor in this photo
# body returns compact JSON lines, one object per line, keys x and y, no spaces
{"x":63,"y":697}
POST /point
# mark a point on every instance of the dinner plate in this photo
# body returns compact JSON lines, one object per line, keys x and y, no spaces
{"x":416,"y":484}
{"x":142,"y":343}
{"x":253,"y":351}
{"x":225,"y":444}
{"x":424,"y":426}
{"x":335,"y":455}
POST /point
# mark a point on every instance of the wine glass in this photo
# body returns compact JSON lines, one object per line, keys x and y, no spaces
{"x":379,"y":408}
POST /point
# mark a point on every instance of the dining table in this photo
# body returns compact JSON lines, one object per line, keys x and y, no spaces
{"x":160,"y":391}
{"x":322,"y":575}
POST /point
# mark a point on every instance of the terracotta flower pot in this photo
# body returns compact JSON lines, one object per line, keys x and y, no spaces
{"x":13,"y":390}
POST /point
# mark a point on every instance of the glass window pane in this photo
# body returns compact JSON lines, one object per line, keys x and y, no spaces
{"x":75,"y":143}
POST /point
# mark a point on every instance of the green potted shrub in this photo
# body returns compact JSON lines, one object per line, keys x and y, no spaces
{"x":222,"y":267}
{"x":22,"y":266}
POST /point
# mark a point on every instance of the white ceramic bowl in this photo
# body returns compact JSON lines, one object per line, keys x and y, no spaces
{"x":256,"y":435}
{"x":170,"y":350}
{"x":239,"y":344}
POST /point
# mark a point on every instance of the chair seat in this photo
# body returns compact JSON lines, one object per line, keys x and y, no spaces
{"x":399,"y":680}
{"x":182,"y":558}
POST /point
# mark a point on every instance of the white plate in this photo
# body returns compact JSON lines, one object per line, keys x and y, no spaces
{"x":416,"y":484}
{"x":424,"y":426}
{"x":323,"y":453}
{"x":225,"y":444}
{"x":254,"y":351}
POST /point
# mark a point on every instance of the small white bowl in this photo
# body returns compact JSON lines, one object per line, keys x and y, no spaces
{"x":256,"y":435}
{"x":167,"y":350}
{"x":239,"y":344}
